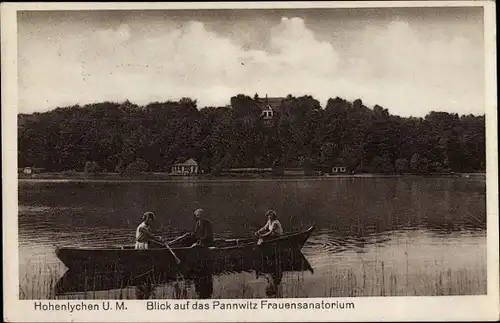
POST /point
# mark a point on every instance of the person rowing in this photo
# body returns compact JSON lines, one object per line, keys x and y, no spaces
{"x":144,"y":237}
{"x":203,"y":231}
{"x":272,"y":228}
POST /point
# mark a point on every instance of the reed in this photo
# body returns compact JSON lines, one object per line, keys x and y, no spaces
{"x":377,"y":278}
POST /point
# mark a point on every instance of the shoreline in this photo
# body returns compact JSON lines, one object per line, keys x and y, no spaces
{"x":163,"y":178}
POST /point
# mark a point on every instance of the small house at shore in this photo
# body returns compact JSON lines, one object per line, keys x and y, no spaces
{"x":338,"y":169}
{"x":249,"y":170}
{"x":186,"y":167}
{"x":29,"y":170}
{"x":294,"y":171}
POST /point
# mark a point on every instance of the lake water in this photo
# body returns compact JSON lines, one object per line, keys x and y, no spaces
{"x":374,"y":236}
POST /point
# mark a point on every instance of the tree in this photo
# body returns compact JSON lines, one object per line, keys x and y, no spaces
{"x":136,"y":167}
{"x":402,"y":165}
{"x":377,"y":165}
{"x":424,"y":165}
{"x":387,"y":165}
{"x":414,"y":162}
{"x":329,"y":152}
{"x":308,"y":166}
{"x":114,"y":134}
{"x":278,"y":169}
{"x":91,"y":167}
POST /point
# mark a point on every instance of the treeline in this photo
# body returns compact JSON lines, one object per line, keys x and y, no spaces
{"x":121,"y":137}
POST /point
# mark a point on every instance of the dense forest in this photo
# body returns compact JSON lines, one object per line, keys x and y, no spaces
{"x":116,"y":137}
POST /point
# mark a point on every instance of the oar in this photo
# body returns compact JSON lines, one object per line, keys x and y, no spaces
{"x":254,"y":226}
{"x":166,"y":245}
{"x":177,"y":260}
{"x":178,"y":238}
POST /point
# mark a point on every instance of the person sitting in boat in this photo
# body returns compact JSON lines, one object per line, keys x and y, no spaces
{"x":144,"y":238}
{"x":272,"y":229}
{"x":203,"y":231}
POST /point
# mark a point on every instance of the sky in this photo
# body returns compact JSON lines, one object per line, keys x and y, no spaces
{"x":408,"y":60}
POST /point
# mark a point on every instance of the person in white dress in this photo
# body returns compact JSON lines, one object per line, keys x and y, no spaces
{"x":144,"y":238}
{"x":272,"y":229}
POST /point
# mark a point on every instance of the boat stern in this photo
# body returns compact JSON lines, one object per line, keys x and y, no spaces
{"x":62,"y":255}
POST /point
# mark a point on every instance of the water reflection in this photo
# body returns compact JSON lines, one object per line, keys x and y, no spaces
{"x":271,"y":268}
{"x":358,"y":207}
{"x":418,"y":227}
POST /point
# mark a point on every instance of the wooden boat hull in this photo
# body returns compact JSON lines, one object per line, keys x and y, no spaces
{"x":76,"y":282}
{"x":227,"y":255}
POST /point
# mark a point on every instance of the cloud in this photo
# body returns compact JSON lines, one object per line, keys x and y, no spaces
{"x":414,"y":72}
{"x":392,"y":65}
{"x":114,"y":36}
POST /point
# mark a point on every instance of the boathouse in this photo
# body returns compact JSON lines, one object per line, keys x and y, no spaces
{"x":187,"y":167}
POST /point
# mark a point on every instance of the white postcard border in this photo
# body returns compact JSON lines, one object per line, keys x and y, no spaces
{"x":463,"y":308}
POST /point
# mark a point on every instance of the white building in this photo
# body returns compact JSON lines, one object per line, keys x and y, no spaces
{"x":190,"y":166}
{"x":338,"y":169}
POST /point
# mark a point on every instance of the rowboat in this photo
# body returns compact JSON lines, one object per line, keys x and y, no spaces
{"x":226,"y":254}
{"x":75,"y":282}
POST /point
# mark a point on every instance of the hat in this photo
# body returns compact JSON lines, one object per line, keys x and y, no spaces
{"x":271,"y":213}
{"x":148,"y":215}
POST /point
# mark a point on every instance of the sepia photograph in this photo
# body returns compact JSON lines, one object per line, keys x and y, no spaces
{"x":225,"y":154}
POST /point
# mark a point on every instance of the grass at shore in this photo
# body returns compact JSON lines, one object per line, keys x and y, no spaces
{"x":377,"y":279}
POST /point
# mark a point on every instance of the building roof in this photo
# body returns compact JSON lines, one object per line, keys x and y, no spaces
{"x":274,"y":103}
{"x":189,"y":162}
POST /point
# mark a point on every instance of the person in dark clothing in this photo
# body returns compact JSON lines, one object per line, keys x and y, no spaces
{"x":203,"y":230}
